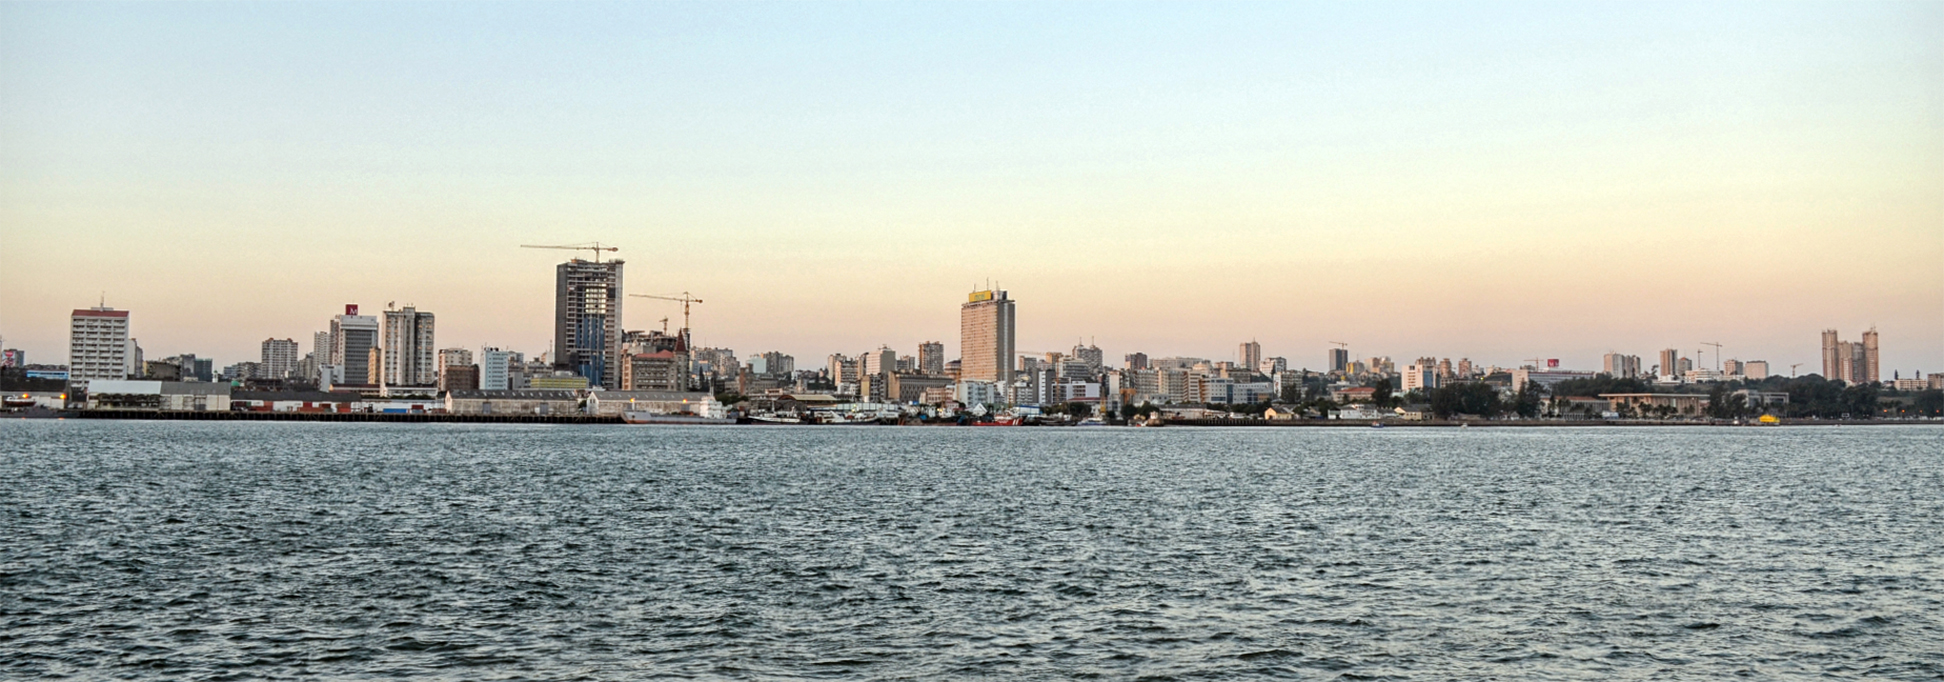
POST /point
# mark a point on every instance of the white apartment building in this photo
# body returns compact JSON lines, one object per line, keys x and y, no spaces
{"x":410,"y":356}
{"x":1420,"y":376}
{"x":495,"y":369}
{"x":279,"y":360}
{"x":98,"y":344}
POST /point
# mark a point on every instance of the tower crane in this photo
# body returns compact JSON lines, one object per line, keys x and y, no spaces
{"x":1792,"y":369}
{"x":596,"y":247}
{"x":685,"y":298}
{"x":1717,"y":348}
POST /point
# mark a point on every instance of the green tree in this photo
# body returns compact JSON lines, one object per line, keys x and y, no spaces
{"x":1382,"y":396}
{"x":1469,"y":397}
{"x":1527,"y":402}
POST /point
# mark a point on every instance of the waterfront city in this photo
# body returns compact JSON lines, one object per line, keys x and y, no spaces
{"x":389,"y":362}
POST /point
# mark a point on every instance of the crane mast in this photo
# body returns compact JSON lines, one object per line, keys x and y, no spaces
{"x":595,"y":247}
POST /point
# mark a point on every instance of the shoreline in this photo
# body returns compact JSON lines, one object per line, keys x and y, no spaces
{"x":431,"y":418}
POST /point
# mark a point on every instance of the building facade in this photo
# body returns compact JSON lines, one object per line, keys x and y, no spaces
{"x":411,"y":359}
{"x":986,"y":337}
{"x":931,"y":358}
{"x":1620,"y":366}
{"x":1848,"y":361}
{"x":279,"y":359}
{"x":354,"y":337}
{"x":98,"y":344}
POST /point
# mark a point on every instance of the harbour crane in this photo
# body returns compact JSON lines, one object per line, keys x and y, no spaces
{"x":596,"y":247}
{"x":1717,"y":348}
{"x":685,"y":298}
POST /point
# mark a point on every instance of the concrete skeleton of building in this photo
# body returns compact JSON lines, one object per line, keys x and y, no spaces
{"x":587,"y":320}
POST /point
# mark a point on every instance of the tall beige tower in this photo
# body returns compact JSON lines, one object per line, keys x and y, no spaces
{"x":1833,"y":360}
{"x":1249,"y":355}
{"x":986,"y":337}
{"x":1871,"y":371}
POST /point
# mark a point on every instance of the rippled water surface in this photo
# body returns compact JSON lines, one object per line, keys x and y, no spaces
{"x":275,"y":550}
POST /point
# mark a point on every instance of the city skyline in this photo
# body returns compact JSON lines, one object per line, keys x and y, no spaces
{"x":1493,"y":181}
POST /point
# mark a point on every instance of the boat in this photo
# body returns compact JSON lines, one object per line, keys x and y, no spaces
{"x":17,"y":401}
{"x":1012,"y":421}
{"x":773,"y":419}
{"x":634,"y":417}
{"x":1092,"y":421}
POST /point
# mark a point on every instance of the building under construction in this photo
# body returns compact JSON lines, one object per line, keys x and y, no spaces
{"x":587,"y":320}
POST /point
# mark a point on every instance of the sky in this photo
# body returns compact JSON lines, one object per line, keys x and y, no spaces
{"x":1497,"y":181}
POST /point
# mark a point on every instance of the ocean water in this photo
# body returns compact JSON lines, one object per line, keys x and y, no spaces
{"x":213,"y":551}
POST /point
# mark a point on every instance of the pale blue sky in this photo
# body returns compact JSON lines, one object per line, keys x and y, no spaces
{"x":1499,"y":181}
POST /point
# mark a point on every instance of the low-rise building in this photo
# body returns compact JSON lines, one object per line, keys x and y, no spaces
{"x":459,"y":377}
{"x":1545,"y":378}
{"x":294,"y":401}
{"x":975,"y":392}
{"x":178,"y":396}
{"x":558,"y":382}
{"x":1353,"y":394}
{"x":614,"y":403}
{"x":904,"y":387}
{"x":1647,"y":404}
{"x":1358,"y":412}
{"x":515,"y":402}
{"x":1283,"y":413}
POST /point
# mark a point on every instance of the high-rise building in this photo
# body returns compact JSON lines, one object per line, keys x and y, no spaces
{"x":1850,"y":362}
{"x":321,"y":362}
{"x":1834,"y":360}
{"x":98,"y":344}
{"x":877,"y":362}
{"x":1339,"y":360}
{"x":411,"y":359}
{"x":496,"y":368}
{"x":931,"y":358}
{"x":1091,"y":355}
{"x":353,"y":337}
{"x":1620,"y":366}
{"x":777,"y":364}
{"x":1136,"y":360}
{"x":1755,"y":369}
{"x":842,"y":370}
{"x":1249,"y":354}
{"x":1420,"y":376}
{"x":279,"y":359}
{"x":1670,"y":363}
{"x":1272,"y":366}
{"x":1872,"y":371}
{"x":986,"y":337}
{"x":587,"y":320}
{"x":455,"y":357}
